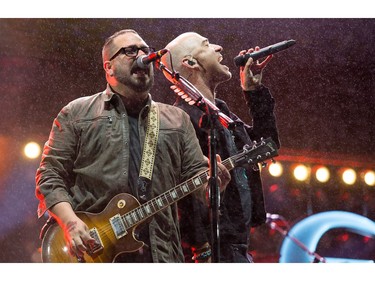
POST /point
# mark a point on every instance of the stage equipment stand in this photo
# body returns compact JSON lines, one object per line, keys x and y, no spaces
{"x":209,"y":121}
{"x":271,"y":221}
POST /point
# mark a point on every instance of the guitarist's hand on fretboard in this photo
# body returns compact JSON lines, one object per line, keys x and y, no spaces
{"x":223,"y":174}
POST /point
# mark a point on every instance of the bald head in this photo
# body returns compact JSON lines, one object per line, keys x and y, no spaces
{"x":197,"y":60}
{"x":182,"y":48}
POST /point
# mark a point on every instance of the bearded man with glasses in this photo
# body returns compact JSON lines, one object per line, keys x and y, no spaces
{"x":119,"y":141}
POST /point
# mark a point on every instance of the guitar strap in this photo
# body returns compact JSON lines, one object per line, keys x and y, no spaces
{"x":149,"y":150}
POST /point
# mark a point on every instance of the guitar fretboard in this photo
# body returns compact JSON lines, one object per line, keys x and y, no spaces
{"x":257,"y":153}
{"x":148,"y":209}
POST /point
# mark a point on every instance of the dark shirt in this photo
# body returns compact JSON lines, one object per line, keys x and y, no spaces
{"x":242,"y":203}
{"x":135,"y":155}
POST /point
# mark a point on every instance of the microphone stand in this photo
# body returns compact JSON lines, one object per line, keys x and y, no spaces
{"x":208,"y":121}
{"x":193,"y":96}
{"x":273,"y":225}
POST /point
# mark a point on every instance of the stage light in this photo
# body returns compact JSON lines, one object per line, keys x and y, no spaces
{"x":369,"y":178}
{"x":349,"y":176}
{"x":301,"y":172}
{"x":322,"y":174}
{"x":32,"y":150}
{"x":275,"y":169}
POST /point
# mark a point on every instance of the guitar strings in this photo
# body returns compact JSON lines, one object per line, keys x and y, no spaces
{"x":107,"y":230}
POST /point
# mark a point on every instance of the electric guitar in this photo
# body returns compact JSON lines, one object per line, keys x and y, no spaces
{"x":113,"y":228}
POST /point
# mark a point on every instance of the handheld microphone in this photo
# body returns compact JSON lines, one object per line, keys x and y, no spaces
{"x":144,"y":61}
{"x":264,"y":52}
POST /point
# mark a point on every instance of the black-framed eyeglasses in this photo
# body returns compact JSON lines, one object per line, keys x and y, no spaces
{"x":132,"y":51}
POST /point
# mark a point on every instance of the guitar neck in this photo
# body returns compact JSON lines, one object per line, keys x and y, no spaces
{"x":150,"y":208}
{"x":250,"y":155}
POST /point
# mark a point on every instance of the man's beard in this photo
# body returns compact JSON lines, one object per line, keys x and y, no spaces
{"x":141,"y":84}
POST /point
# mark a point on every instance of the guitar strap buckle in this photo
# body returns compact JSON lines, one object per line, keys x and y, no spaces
{"x":143,"y":187}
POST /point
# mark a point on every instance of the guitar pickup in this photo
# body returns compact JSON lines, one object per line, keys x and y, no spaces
{"x":98,"y":245}
{"x":118,"y":226}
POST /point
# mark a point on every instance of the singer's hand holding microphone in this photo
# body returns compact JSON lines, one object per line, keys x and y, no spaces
{"x":251,"y":76}
{"x":251,"y":72}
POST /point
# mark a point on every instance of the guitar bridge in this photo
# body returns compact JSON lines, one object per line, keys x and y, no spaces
{"x":98,"y":245}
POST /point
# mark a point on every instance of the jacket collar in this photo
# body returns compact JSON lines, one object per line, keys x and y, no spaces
{"x":112,"y":98}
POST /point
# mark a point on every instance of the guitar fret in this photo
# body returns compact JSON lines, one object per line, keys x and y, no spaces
{"x":185,"y":188}
{"x":148,"y":209}
{"x":154,"y":205}
{"x":129,"y":220}
{"x":163,"y":200}
{"x":202,"y":179}
{"x":140,"y":213}
{"x":134,"y":216}
{"x":180,"y":193}
{"x":166,"y":195}
{"x":197,"y":181}
{"x":228,"y":163}
{"x":123,"y":219}
{"x":173,"y":194}
{"x":159,"y":201}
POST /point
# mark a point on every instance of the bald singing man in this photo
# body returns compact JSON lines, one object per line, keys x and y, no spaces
{"x":242,"y":203}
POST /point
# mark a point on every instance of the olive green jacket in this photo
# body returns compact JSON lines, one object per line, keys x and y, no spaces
{"x":86,"y":160}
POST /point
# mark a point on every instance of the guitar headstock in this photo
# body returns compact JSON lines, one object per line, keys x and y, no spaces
{"x":258,"y":152}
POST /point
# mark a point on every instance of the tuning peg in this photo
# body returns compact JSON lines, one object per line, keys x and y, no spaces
{"x":255,"y":144}
{"x":246,"y":147}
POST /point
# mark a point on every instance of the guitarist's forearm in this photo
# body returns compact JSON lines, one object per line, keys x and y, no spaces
{"x":76,"y":232}
{"x":63,"y":213}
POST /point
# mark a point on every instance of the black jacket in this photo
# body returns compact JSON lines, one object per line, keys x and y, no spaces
{"x":242,"y":203}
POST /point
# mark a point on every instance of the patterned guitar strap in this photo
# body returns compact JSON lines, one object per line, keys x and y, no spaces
{"x":149,"y":151}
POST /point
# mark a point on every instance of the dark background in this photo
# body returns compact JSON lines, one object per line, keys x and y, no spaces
{"x":323,"y":86}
